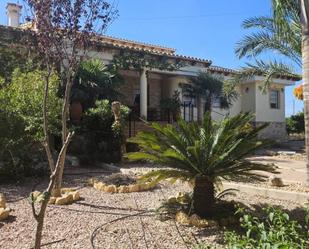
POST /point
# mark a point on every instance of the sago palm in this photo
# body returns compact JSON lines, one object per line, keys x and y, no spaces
{"x":203,"y":154}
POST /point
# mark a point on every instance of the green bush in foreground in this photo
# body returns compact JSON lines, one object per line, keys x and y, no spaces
{"x":276,"y":230}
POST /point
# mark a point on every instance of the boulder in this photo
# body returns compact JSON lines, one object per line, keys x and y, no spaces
{"x":182,"y":218}
{"x":75,"y":195}
{"x":134,"y":188}
{"x":111,"y":189}
{"x":276,"y":181}
{"x":99,"y":186}
{"x":52,"y":200}
{"x":196,"y":221}
{"x":123,"y":189}
{"x":2,"y":201}
{"x":64,"y":200}
{"x":4,"y":213}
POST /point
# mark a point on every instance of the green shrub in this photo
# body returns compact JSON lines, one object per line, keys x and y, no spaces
{"x":275,"y":230}
{"x":101,"y":142}
{"x":21,"y":119}
{"x":23,"y":97}
{"x":18,"y":153}
{"x":295,"y":123}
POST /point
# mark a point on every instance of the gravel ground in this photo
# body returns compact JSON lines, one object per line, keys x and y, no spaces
{"x":293,"y":186}
{"x":92,"y":222}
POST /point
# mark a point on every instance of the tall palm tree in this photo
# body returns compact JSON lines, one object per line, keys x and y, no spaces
{"x":281,"y":37}
{"x":286,"y":33}
{"x":203,"y":154}
{"x":305,"y":57}
{"x":209,"y":87}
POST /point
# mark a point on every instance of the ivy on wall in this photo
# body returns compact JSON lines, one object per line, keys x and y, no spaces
{"x":139,"y":60}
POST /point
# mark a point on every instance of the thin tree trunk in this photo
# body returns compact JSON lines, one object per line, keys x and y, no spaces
{"x":41,"y":215}
{"x":203,"y":196}
{"x":46,"y":142}
{"x":305,"y":63}
{"x":65,"y":110}
{"x":38,"y":232}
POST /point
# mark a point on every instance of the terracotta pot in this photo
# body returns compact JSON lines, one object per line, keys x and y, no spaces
{"x":76,"y":111}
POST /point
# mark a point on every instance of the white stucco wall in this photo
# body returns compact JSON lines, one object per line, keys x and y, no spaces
{"x":263,"y":111}
{"x":248,"y":97}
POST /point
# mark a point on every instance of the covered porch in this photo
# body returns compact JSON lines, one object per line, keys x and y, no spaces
{"x":143,"y":91}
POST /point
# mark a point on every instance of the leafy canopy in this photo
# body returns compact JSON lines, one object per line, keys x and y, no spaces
{"x":23,"y":97}
{"x":95,"y":81}
{"x":216,"y":150}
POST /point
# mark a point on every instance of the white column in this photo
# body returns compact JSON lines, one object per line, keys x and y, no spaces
{"x":143,"y":94}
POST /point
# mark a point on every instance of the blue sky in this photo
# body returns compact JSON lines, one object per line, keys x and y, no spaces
{"x":205,"y":29}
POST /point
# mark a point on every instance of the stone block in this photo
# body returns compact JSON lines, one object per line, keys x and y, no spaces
{"x":75,"y":195}
{"x":134,"y":188}
{"x":2,"y":201}
{"x":64,"y":200}
{"x":111,"y":189}
{"x":4,"y":213}
{"x":52,"y":200}
{"x":196,"y":221}
{"x":99,"y":186}
{"x":182,"y":218}
{"x":123,"y":189}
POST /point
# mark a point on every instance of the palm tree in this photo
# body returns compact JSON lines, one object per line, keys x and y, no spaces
{"x":96,"y":81}
{"x":283,"y":38}
{"x":305,"y":58}
{"x":286,"y":33}
{"x":209,"y":87}
{"x":203,"y":154}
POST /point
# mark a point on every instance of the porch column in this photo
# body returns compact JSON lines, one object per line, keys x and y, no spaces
{"x":143,"y":94}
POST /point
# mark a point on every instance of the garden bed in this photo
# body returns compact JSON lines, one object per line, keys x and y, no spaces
{"x":102,"y":220}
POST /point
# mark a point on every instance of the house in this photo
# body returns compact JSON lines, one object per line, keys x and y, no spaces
{"x":144,"y":88}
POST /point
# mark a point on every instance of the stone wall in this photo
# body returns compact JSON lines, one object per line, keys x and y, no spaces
{"x":127,"y":90}
{"x":275,"y":131}
{"x":154,"y":93}
{"x":130,"y":87}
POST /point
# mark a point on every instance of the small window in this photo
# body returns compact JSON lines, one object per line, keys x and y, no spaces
{"x":274,"y":99}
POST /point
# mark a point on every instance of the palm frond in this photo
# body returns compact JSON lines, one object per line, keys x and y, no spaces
{"x":215,"y":150}
{"x":269,"y":70}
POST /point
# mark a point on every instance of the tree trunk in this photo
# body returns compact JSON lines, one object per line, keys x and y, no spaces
{"x":203,"y":196}
{"x":39,"y":230}
{"x":65,"y":110}
{"x":207,"y":105}
{"x":199,"y":108}
{"x":56,"y":192}
{"x":305,"y":64}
